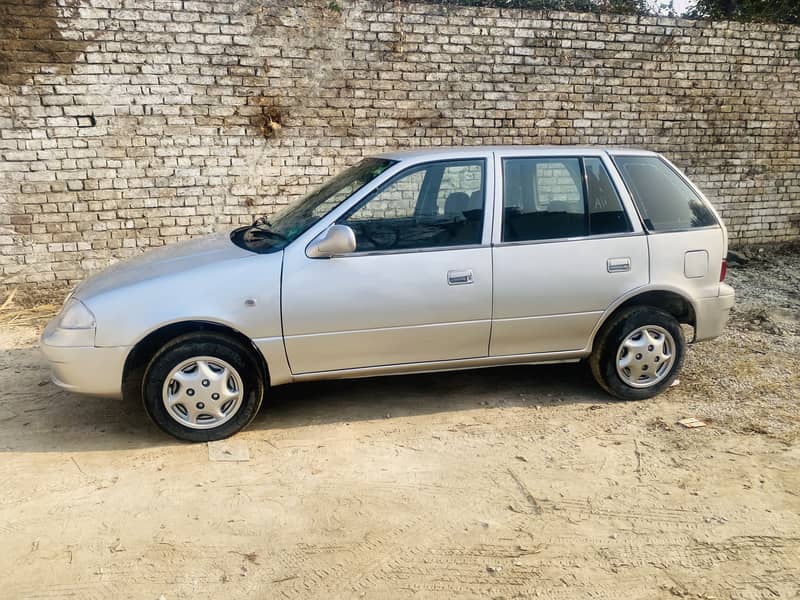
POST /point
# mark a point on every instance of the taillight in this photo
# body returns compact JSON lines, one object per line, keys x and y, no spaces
{"x":723,"y":270}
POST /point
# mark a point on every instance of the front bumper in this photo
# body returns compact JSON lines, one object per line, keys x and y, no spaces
{"x":83,"y":369}
{"x":712,"y":314}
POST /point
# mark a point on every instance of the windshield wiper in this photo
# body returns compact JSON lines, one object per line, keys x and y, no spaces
{"x":264,"y":227}
{"x":261,"y":221}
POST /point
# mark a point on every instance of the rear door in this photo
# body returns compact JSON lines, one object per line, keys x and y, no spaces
{"x":565,"y":249}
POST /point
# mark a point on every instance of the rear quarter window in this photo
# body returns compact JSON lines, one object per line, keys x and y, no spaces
{"x":665,"y":201}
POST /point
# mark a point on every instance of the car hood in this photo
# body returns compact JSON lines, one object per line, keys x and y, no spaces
{"x":162,"y":262}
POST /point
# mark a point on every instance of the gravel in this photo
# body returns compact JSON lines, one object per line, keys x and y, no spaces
{"x":748,"y":379}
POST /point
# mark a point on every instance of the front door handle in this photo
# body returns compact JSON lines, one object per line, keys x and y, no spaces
{"x":618,"y":265}
{"x":459,"y":277}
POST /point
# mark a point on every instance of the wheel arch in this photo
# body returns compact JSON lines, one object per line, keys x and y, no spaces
{"x":143,"y":351}
{"x":672,"y":300}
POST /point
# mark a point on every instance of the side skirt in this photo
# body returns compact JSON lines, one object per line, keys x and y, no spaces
{"x":447,"y":365}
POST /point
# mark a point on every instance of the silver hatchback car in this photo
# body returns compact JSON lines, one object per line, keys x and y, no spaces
{"x":407,"y":262}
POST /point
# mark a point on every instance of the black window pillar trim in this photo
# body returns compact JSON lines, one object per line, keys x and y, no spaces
{"x":587,"y":219}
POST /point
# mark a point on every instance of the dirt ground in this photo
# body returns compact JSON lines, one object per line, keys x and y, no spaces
{"x":522,"y":482}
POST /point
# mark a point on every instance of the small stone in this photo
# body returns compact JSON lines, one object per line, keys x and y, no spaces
{"x":493,"y":570}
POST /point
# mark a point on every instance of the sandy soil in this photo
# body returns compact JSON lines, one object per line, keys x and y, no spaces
{"x":522,"y":482}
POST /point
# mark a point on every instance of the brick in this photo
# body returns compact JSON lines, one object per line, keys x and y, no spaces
{"x":180,"y":92}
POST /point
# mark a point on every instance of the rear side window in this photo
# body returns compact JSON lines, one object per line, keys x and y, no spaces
{"x":542,"y":199}
{"x":553,"y":198}
{"x":664,"y":199}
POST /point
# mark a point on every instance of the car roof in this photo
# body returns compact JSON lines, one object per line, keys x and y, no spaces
{"x":470,"y":151}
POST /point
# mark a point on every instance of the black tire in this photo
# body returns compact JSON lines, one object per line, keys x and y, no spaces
{"x":203,"y":344}
{"x":603,"y":361}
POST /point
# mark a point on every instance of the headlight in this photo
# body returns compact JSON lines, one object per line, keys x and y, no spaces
{"x":75,"y":315}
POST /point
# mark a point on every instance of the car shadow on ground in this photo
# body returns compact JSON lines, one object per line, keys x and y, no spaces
{"x":349,"y":400}
{"x":36,"y":416}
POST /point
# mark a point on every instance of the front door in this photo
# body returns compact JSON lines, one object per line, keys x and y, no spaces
{"x":567,"y":250}
{"x":418,"y":288}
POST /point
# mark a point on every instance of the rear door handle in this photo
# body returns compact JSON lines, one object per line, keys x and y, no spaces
{"x":618,"y":265}
{"x":459,"y":277}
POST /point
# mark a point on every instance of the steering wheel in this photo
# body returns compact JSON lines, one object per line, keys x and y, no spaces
{"x":384,"y":239}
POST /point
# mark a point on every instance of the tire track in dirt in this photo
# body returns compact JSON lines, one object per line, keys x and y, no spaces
{"x":641,"y":551}
{"x":162,"y":566}
{"x":66,"y":591}
{"x":494,"y":571}
{"x":314,"y":574}
{"x":544,"y":570}
{"x":642,"y":517}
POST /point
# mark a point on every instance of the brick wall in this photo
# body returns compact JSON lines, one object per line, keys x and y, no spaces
{"x":126,"y":124}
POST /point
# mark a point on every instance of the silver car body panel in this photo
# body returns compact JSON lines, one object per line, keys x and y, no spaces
{"x":225,"y":285}
{"x":548,"y":297}
{"x":390,"y":312}
{"x":161,"y":263}
{"x":712,"y":314}
{"x":86,"y":369}
{"x":375,"y":309}
{"x":241,"y":292}
{"x":274,"y":353}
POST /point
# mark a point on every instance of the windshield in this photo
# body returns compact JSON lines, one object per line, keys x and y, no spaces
{"x":275,"y":233}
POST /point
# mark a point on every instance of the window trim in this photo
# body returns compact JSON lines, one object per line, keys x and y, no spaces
{"x":631,"y":230}
{"x":413,"y":250}
{"x":484,"y":162}
{"x":587,"y":219}
{"x":628,"y":222}
{"x":684,"y":179}
{"x":580,"y":238}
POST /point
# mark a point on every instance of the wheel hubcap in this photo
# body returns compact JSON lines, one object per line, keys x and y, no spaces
{"x":202,"y":392}
{"x":646,"y":356}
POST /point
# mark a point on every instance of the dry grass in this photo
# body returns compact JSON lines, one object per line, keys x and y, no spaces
{"x":35,"y":310}
{"x":35,"y":316}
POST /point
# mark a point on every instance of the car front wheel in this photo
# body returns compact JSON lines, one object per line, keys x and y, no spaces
{"x":638,"y":353}
{"x":202,"y":387}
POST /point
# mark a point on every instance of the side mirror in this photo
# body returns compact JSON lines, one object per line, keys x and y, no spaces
{"x":337,"y":239}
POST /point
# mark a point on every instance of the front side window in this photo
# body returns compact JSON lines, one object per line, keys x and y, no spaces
{"x":430,"y":206}
{"x":665,"y":201}
{"x":554,"y":198}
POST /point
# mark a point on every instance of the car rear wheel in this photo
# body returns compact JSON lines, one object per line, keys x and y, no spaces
{"x":638,"y":353}
{"x":202,"y":387}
